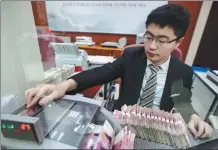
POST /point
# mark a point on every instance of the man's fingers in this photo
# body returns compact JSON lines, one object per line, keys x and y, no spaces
{"x":35,"y":99}
{"x":33,"y":102}
{"x":210,"y":131}
{"x":201,"y":128}
{"x":206,"y":131}
{"x":30,"y":95}
{"x":191,"y":127}
{"x":47,"y":99}
{"x":39,"y":93}
{"x":26,"y":95}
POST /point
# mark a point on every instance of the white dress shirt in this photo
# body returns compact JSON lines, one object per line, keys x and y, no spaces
{"x":161,"y":79}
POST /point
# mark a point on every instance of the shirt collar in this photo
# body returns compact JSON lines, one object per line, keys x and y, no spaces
{"x":164,"y":66}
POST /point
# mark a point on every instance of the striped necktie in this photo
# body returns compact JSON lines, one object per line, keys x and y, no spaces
{"x":150,"y":87}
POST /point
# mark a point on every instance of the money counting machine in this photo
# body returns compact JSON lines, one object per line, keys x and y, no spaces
{"x":63,"y":124}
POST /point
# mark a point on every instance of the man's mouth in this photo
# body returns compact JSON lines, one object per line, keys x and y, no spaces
{"x":151,"y":54}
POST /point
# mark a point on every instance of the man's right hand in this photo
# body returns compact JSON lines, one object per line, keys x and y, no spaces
{"x":45,"y":93}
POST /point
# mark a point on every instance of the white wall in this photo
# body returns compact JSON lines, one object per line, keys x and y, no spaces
{"x":199,"y":29}
{"x":21,"y":65}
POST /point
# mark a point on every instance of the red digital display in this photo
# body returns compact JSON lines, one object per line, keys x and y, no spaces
{"x":25,"y":127}
{"x":17,"y":130}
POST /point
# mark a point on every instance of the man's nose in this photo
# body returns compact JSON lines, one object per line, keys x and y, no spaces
{"x":153,"y":45}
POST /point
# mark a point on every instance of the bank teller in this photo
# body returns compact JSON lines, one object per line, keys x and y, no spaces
{"x":146,"y":73}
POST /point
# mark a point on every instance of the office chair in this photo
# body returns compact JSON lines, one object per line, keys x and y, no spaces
{"x":177,"y":53}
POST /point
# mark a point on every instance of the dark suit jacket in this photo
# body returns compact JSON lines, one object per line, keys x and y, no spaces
{"x":130,"y":67}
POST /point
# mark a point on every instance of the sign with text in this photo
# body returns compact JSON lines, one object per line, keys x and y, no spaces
{"x":124,"y":17}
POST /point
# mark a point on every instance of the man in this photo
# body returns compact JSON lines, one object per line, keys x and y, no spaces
{"x":147,"y":73}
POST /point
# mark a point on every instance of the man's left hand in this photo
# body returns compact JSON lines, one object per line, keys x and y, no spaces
{"x":199,"y":128}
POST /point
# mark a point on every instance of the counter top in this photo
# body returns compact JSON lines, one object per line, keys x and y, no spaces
{"x":139,"y":143}
{"x":203,"y":77}
{"x":99,"y":47}
{"x":209,"y":143}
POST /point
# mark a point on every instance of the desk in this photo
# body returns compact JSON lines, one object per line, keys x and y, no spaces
{"x":102,"y":51}
{"x":204,"y":95}
{"x":210,"y":143}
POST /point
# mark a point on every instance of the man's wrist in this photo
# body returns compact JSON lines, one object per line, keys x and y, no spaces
{"x":69,"y":85}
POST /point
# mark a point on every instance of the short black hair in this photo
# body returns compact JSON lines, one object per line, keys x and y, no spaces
{"x":171,"y":15}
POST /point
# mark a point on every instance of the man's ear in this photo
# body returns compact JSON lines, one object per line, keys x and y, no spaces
{"x":179,"y":42}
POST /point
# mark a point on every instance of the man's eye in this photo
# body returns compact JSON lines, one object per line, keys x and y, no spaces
{"x":162,"y":41}
{"x":149,"y":38}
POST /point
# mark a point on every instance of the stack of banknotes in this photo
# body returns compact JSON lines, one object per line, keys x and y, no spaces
{"x":154,"y":125}
{"x":104,"y":138}
{"x":124,"y":139}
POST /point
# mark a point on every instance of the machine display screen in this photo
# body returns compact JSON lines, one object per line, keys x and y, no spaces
{"x":21,"y":130}
{"x":18,"y":130}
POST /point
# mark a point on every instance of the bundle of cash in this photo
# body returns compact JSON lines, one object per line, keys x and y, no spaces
{"x":59,"y":74}
{"x":124,"y":139}
{"x":104,"y":138}
{"x":154,"y":125}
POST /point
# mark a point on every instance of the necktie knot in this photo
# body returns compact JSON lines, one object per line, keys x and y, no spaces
{"x":154,"y":68}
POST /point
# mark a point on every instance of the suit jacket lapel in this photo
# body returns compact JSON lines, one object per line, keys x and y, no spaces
{"x":140,"y":65}
{"x":172,"y":75}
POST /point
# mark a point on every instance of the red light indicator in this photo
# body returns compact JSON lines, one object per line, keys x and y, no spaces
{"x":25,"y":127}
{"x":22,"y":127}
{"x":28,"y":127}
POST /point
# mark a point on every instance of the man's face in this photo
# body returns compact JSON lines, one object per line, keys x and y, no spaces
{"x":158,"y":51}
